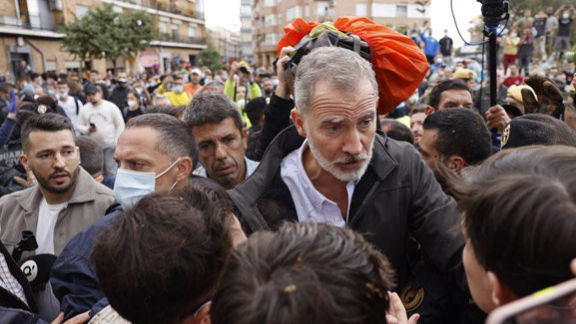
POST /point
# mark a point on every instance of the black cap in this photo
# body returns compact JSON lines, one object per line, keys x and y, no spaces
{"x":537,"y":129}
{"x":91,"y":89}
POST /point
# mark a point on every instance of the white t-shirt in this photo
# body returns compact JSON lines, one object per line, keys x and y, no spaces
{"x":47,"y":217}
{"x":69,"y":107}
{"x":106,"y":117}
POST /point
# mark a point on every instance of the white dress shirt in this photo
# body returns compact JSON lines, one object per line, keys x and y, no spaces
{"x":311,"y":205}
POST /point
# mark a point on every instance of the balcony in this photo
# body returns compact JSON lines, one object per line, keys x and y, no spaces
{"x":39,"y":26}
{"x":164,"y":37}
{"x":168,"y":6}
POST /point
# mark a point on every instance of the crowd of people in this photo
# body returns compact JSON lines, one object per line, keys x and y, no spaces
{"x":295,"y":193}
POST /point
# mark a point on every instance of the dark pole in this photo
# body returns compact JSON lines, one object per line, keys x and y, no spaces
{"x":492,"y":65}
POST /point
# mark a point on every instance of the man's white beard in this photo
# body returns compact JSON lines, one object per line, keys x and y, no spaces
{"x":331,"y":167}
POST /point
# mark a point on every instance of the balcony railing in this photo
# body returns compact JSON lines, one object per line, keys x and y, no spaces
{"x":178,"y":39}
{"x":27,"y":25}
{"x":168,"y":6}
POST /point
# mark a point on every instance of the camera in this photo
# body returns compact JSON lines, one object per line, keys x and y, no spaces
{"x":27,"y":243}
{"x":493,"y":11}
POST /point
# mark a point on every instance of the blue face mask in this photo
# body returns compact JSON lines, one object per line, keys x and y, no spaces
{"x":177,"y":88}
{"x":130,"y":186}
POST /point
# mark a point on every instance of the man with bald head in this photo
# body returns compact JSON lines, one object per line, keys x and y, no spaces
{"x":332,"y":167}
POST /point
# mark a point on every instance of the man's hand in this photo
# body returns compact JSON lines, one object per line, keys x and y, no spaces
{"x":28,"y":182}
{"x":548,"y":94}
{"x":78,"y":319}
{"x":397,"y":312}
{"x":283,"y":88}
{"x":497,"y":118}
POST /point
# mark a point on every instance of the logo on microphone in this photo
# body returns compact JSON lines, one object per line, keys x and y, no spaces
{"x":30,"y":270}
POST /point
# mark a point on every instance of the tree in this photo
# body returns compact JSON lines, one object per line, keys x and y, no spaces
{"x":103,"y":33}
{"x":211,"y":58}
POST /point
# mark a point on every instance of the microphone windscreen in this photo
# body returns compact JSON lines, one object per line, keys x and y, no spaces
{"x":37,"y":268}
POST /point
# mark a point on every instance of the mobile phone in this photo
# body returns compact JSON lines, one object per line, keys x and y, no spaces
{"x":552,"y":305}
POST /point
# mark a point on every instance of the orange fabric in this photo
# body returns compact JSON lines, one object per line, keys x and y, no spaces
{"x":399,"y":64}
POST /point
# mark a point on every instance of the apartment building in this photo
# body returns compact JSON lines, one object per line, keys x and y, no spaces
{"x":270,"y":16}
{"x":226,"y":42}
{"x":29,"y":31}
{"x":247,"y":45}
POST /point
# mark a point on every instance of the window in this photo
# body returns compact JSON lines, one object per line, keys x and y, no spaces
{"x":270,"y":20}
{"x":117,"y":9}
{"x":269,"y":3}
{"x":381,"y":10}
{"x":307,"y":11}
{"x":321,"y":7}
{"x":361,"y":10}
{"x":293,"y":13}
{"x":81,"y":11}
{"x":191,"y":32}
{"x":401,"y":11}
{"x":162,"y":28}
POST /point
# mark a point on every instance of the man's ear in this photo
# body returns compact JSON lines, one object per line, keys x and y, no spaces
{"x":298,"y":120}
{"x":245,"y":137}
{"x":501,"y":292}
{"x":24,"y":161}
{"x":429,"y":110}
{"x":455,"y":163}
{"x":184,"y":168}
{"x":201,"y":317}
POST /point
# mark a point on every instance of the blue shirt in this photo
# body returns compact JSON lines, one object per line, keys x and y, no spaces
{"x":431,"y":46}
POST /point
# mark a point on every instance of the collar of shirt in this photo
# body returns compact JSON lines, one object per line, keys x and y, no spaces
{"x":303,"y":191}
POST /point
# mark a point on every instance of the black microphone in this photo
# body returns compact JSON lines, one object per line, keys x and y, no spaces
{"x":27,"y":243}
{"x":37,"y":269}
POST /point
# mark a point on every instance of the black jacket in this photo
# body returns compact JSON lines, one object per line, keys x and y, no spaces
{"x":397,"y":198}
{"x":9,"y":300}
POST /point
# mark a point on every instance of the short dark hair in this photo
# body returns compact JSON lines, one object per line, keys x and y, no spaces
{"x":48,"y":122}
{"x":436,"y":92}
{"x":538,"y":129}
{"x":461,"y":132}
{"x":166,"y":254}
{"x":34,"y":75}
{"x":519,"y":211}
{"x":91,"y":155}
{"x":212,"y":108}
{"x":173,"y":111}
{"x":396,"y":130}
{"x":304,"y":273}
{"x":175,"y":140}
{"x":255,"y":109}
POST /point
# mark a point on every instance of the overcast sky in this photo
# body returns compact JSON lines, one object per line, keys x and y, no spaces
{"x":226,"y":13}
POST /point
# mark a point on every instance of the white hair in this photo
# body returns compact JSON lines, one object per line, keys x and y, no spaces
{"x":341,"y":67}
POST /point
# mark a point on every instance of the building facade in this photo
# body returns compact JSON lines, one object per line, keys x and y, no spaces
{"x":226,"y":42}
{"x":246,"y":43}
{"x":270,"y":16}
{"x":29,"y":31}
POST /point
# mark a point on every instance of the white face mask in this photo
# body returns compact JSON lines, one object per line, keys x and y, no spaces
{"x":63,"y":95}
{"x":132,"y":103}
{"x":130,"y":186}
{"x":566,"y":16}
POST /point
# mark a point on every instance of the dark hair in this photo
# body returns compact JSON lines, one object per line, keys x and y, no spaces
{"x":396,"y":130}
{"x":519,"y":211}
{"x":538,"y":129}
{"x":418,"y":109}
{"x":175,"y":140}
{"x":461,"y":132}
{"x":166,"y":254}
{"x":304,"y":273}
{"x":255,"y":109}
{"x":211,"y":108}
{"x":63,"y":82}
{"x":91,"y":155}
{"x":34,"y":75}
{"x":94,"y":71}
{"x":436,"y":92}
{"x":166,"y":109}
{"x":49,"y":122}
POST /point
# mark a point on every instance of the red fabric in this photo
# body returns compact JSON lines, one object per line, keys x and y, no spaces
{"x":399,"y":64}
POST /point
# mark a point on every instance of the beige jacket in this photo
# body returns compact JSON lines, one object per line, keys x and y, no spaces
{"x":19,"y":212}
